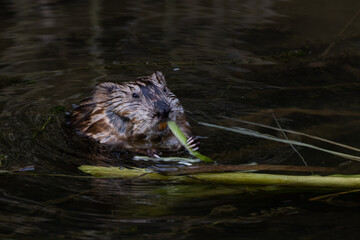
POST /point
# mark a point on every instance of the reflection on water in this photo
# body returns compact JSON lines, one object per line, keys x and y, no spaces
{"x":239,"y":59}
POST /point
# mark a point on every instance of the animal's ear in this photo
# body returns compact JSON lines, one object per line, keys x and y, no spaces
{"x":159,"y":77}
{"x":103,"y":90}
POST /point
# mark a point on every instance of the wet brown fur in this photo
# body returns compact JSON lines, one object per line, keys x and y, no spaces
{"x":126,"y":115}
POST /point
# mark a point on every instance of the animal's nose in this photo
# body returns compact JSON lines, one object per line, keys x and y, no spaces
{"x":162,"y":109}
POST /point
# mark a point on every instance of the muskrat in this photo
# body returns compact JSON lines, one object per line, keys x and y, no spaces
{"x":132,"y":116}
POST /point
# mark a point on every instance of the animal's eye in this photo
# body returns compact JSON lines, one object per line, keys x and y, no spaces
{"x":135,"y":95}
{"x":165,"y":90}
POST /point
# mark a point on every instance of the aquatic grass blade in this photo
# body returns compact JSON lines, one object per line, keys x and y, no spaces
{"x":249,"y":132}
{"x":295,"y":132}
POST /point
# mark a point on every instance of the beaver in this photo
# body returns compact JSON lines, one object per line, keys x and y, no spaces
{"x":133,"y":116}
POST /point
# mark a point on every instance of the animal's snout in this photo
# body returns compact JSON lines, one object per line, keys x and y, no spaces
{"x":162,"y":109}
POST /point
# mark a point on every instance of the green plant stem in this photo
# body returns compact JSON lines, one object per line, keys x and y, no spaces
{"x":232,"y":178}
{"x":183,"y":140}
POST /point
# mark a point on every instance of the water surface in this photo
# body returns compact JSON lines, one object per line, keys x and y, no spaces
{"x":251,"y":60}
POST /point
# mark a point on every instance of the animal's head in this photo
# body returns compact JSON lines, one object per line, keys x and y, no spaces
{"x":145,"y":102}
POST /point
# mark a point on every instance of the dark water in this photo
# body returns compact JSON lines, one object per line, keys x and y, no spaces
{"x":238,"y":59}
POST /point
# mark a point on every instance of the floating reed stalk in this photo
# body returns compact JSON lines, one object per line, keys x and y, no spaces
{"x":230,"y":178}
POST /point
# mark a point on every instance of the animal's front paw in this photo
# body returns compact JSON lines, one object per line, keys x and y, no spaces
{"x":153,"y":153}
{"x":193,"y":143}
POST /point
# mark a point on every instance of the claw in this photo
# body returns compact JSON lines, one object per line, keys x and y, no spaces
{"x":153,"y":153}
{"x":190,"y":140}
{"x":193,"y":143}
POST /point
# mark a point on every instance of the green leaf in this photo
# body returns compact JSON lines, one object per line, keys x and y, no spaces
{"x":183,"y":140}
